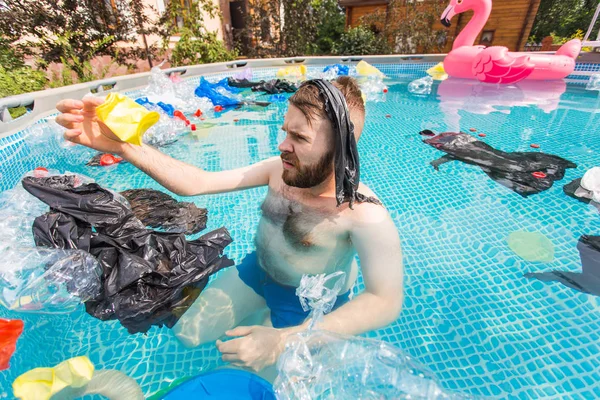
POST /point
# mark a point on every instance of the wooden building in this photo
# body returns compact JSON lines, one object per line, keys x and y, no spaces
{"x":509,"y":24}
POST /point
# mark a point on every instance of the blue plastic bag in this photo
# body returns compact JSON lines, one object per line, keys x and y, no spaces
{"x":208,"y":90}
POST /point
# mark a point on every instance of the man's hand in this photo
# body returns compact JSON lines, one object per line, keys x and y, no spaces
{"x":255,"y":348}
{"x":83,"y":127}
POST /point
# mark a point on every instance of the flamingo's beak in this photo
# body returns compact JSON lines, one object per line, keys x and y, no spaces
{"x":447,"y":16}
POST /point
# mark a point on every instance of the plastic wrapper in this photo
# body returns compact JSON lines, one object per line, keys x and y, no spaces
{"x":590,"y":185}
{"x":218,"y":98}
{"x":18,"y":209}
{"x":525,"y":173}
{"x":421,"y":85}
{"x":246,"y":73}
{"x":47,"y":280}
{"x":159,"y":210}
{"x":273,"y":86}
{"x":148,"y":278}
{"x":338,"y":69}
{"x":165,"y":94}
{"x":10,"y":330}
{"x":166,"y":131}
{"x":372,"y":87}
{"x":110,"y":384}
{"x":318,"y":364}
{"x":593,"y":82}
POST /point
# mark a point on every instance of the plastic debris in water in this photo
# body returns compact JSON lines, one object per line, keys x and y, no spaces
{"x":594,"y":82}
{"x":531,"y":246}
{"x":318,"y":364}
{"x":421,"y":85}
{"x":366,"y":69}
{"x":127,"y":119}
{"x":10,"y":330}
{"x":296,"y":71}
{"x":43,"y":383}
{"x":437,"y":72}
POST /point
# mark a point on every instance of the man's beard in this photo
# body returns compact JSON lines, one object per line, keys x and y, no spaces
{"x":305,"y":177}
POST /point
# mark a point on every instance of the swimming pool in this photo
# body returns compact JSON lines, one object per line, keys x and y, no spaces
{"x":469,"y":313}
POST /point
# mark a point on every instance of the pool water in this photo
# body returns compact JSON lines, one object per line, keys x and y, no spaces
{"x":469,"y":313}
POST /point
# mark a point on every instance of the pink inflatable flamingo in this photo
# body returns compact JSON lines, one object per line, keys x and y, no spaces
{"x":496,"y":64}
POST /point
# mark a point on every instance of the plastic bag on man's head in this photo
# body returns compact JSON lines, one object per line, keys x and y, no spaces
{"x":47,"y":280}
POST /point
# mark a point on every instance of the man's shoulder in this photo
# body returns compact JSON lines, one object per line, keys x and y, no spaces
{"x":368,"y":211}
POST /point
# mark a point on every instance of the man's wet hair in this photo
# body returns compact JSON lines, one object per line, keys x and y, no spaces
{"x":308,"y":101}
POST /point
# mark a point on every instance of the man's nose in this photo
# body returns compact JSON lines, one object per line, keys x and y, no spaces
{"x":286,"y":146}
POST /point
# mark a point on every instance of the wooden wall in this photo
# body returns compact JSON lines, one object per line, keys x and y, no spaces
{"x":511,"y":20}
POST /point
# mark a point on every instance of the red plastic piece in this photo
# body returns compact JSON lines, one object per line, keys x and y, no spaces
{"x":482,"y":135}
{"x":10,"y":330}
{"x":473,"y":129}
{"x":218,"y":108}
{"x":235,"y":120}
{"x":538,"y":174}
{"x":40,"y":172}
{"x":535,"y":146}
{"x":193,"y":127}
{"x":198,"y":113}
{"x":385,"y":90}
{"x":187,"y":122}
{"x":109,"y":159}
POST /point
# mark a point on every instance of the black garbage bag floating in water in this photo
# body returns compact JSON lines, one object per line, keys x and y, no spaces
{"x":525,"y":173}
{"x":159,"y":210}
{"x":149,"y":278}
{"x":586,"y":281}
{"x":273,"y":86}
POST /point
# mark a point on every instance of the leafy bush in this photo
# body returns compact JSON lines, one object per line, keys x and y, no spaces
{"x":191,"y":49}
{"x":18,"y":81}
{"x":360,"y":41}
{"x":330,"y":27}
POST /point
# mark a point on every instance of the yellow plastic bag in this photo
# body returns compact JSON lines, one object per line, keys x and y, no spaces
{"x":127,"y":119}
{"x":437,"y":72}
{"x":43,"y":383}
{"x":296,"y":71}
{"x":366,"y":69}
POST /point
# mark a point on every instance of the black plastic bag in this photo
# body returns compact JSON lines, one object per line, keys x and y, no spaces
{"x":525,"y":173}
{"x":586,"y":281}
{"x":149,"y":278}
{"x":159,"y":210}
{"x":273,"y":86}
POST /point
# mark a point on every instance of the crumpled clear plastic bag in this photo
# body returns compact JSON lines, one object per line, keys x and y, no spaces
{"x":593,"y":82}
{"x":372,"y":87}
{"x":47,"y":280}
{"x":421,"y":85}
{"x":318,"y":364}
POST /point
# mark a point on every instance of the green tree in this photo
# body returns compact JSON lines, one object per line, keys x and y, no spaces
{"x":563,"y":18}
{"x":74,"y":31}
{"x":196,"y":45}
{"x":330,"y":26}
{"x":360,"y":41}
